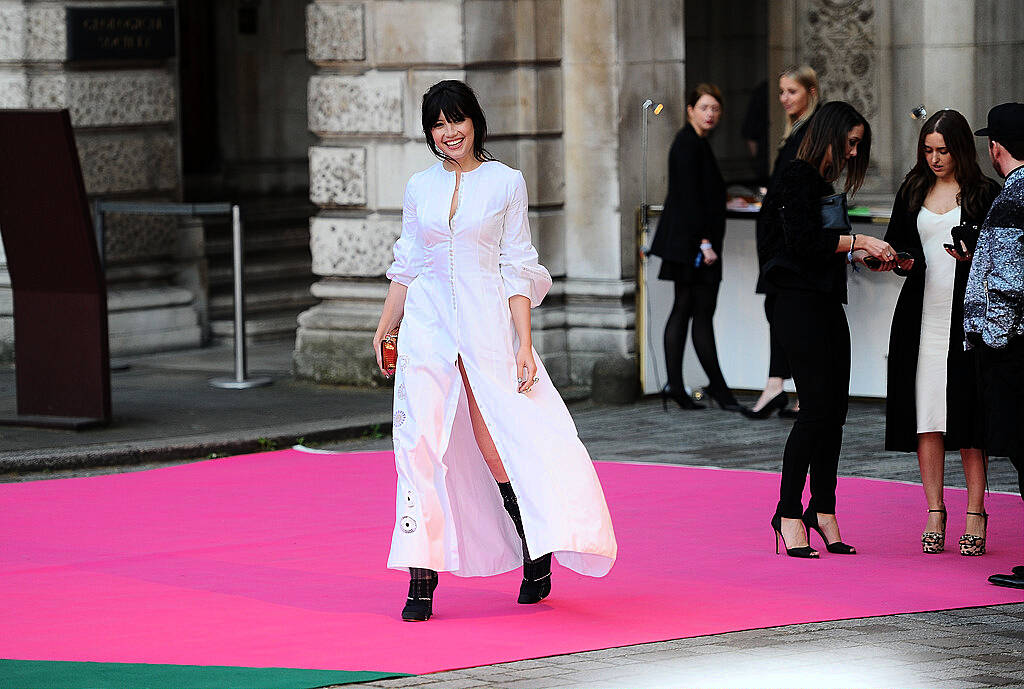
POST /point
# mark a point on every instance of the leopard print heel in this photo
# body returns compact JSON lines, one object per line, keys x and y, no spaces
{"x":933,"y":542}
{"x":971,"y":545}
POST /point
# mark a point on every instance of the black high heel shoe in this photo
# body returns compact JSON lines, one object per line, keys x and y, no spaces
{"x":419,"y":606}
{"x":778,"y":402}
{"x":536,"y":580}
{"x":725,"y":401}
{"x":804,"y":551}
{"x":680,"y":398}
{"x":810,"y":520}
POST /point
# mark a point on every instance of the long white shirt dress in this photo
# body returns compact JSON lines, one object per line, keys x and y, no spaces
{"x":450,"y":515}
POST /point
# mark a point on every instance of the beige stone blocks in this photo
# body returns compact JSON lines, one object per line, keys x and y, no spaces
{"x":127,"y":162}
{"x":417,"y":32}
{"x":542,"y":162}
{"x":362,"y":104}
{"x":513,"y":30}
{"x":335,"y":32}
{"x":353,"y":247}
{"x":337,"y":175}
{"x":105,"y":99}
{"x":32,"y":33}
{"x":523,"y":100}
{"x":13,"y":90}
{"x":392,"y":166}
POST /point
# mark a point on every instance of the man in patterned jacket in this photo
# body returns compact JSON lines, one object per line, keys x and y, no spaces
{"x":994,"y":304}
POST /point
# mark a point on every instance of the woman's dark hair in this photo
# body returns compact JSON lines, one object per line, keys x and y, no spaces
{"x":457,"y":101}
{"x":704,"y":90}
{"x":828,"y":131}
{"x":960,"y":142}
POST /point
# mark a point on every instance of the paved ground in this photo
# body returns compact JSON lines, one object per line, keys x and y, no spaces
{"x":164,"y":409}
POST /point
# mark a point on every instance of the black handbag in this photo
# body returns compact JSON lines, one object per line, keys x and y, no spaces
{"x":835,"y":215}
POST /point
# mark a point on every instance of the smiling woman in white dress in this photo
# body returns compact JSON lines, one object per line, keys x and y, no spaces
{"x":491,"y":472}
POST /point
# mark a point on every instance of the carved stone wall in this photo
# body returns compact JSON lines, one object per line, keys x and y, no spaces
{"x":124,"y":115}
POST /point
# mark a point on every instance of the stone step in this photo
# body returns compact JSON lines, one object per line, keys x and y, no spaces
{"x":271,"y":240}
{"x":260,"y":329}
{"x":287,"y":299}
{"x":286,"y":268}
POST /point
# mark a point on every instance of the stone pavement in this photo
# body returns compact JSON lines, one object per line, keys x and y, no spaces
{"x":165,"y":411}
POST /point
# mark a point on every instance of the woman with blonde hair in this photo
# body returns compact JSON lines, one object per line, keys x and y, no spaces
{"x":799,"y":96}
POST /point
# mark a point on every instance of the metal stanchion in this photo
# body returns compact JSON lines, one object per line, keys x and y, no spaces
{"x":241,"y":380}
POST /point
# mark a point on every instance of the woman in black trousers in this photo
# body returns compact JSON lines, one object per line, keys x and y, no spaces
{"x":798,"y":94}
{"x":806,"y":267}
{"x":689,"y":242}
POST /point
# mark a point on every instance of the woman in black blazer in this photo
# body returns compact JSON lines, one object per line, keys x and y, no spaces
{"x":689,"y":242}
{"x":932,"y":401}
{"x":805,"y":264}
{"x":798,"y":94}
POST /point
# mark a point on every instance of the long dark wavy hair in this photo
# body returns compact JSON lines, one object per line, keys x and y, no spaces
{"x":457,"y":101}
{"x":828,"y":130}
{"x":960,"y":142}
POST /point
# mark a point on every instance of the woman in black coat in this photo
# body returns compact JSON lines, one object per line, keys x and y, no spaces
{"x":805,"y":264}
{"x":932,"y":403}
{"x":689,"y":242}
{"x":798,"y":94}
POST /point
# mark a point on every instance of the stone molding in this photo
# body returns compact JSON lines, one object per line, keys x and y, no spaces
{"x":335,"y":33}
{"x":365,"y":104}
{"x":337,"y":175}
{"x":103,"y":99}
{"x":353,"y":247}
{"x":128,"y":162}
{"x":841,"y":39}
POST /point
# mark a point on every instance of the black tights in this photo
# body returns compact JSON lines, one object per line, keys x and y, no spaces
{"x":696,"y":303}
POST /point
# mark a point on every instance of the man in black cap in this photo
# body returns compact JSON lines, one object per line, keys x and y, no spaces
{"x":994,"y":304}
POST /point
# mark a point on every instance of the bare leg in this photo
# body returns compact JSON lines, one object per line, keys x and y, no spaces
{"x":931,"y":457}
{"x":974,"y":473}
{"x":480,"y":432}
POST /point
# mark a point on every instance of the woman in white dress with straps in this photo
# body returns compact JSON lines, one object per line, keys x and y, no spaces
{"x":932,"y":404}
{"x":491,"y":472}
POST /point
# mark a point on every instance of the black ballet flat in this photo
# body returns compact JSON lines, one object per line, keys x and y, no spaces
{"x":810,"y":520}
{"x":536,"y":580}
{"x":681,"y":398}
{"x":419,"y":606}
{"x":778,"y":402}
{"x":804,"y":551}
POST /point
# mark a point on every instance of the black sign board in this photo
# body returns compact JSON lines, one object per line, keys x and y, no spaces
{"x":122,"y":33}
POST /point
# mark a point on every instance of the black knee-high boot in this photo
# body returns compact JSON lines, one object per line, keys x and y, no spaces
{"x":419,"y":604}
{"x":536,"y":573}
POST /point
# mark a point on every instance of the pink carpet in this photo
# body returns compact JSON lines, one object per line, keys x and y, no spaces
{"x":278,"y":560}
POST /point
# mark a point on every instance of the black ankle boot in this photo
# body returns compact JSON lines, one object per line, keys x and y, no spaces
{"x":419,"y":606}
{"x":536,"y":573}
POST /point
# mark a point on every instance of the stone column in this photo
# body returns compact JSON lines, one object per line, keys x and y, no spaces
{"x":375,"y":59}
{"x":125,"y":120}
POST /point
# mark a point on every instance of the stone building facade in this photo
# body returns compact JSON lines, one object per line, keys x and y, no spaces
{"x":125,"y":116}
{"x":561,"y":82}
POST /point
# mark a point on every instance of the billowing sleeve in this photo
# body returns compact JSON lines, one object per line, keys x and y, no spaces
{"x":408,"y":249}
{"x":517,"y":258}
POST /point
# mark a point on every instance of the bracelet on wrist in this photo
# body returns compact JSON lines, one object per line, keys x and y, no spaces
{"x":853,"y":242}
{"x":704,"y":246}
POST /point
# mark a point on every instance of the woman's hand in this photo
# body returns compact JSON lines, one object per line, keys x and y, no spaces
{"x":709,"y":255}
{"x":526,"y":368}
{"x":877,"y":248}
{"x":390,"y":316}
{"x":377,"y":339}
{"x":960,"y":256}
